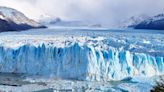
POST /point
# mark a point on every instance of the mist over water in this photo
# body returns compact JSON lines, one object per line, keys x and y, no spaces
{"x":107,"y":12}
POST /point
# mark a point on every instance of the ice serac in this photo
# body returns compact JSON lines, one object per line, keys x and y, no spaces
{"x":79,"y":62}
{"x":69,"y":62}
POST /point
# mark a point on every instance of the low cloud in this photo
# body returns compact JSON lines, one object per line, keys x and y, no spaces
{"x":108,"y":12}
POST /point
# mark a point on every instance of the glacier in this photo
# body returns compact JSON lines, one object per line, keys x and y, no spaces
{"x":90,"y":55}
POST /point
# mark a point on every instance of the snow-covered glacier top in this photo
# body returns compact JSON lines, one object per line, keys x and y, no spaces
{"x":141,"y":41}
{"x":83,"y":54}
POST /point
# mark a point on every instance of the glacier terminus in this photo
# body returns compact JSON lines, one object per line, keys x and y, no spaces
{"x":87,"y":56}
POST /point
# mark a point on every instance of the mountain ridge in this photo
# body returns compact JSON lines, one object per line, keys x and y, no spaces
{"x":145,"y":22}
{"x":13,"y":20}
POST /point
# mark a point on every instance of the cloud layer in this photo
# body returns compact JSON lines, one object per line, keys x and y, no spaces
{"x":107,"y":12}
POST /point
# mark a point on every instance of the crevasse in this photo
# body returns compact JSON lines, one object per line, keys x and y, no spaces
{"x":79,"y":62}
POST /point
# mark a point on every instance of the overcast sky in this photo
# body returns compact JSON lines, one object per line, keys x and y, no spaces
{"x":99,"y":11}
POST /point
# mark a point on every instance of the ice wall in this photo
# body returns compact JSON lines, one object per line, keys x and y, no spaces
{"x":82,"y":62}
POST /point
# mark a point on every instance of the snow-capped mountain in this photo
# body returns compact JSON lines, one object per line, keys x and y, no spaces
{"x":49,"y":20}
{"x":56,"y":21}
{"x":145,"y":22}
{"x":155,"y":22}
{"x":69,"y":23}
{"x":11,"y":19}
{"x":132,"y":21}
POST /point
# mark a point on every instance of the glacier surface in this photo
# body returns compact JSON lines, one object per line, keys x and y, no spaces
{"x":82,"y":54}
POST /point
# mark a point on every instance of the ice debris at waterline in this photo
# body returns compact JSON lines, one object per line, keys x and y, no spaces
{"x":80,"y":58}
